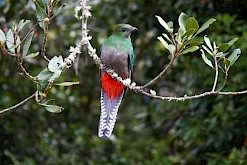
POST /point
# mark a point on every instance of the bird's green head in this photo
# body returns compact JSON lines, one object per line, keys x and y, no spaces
{"x":123,"y":30}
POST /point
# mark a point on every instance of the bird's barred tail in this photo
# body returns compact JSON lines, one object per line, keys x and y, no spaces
{"x":108,"y":115}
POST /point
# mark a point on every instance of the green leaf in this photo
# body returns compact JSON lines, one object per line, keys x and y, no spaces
{"x":51,"y":107}
{"x":232,"y":41}
{"x":27,"y":44}
{"x":209,"y":52}
{"x":227,"y":62}
{"x":60,"y":9}
{"x":40,"y":12}
{"x":205,"y":25}
{"x":190,"y":50}
{"x":166,"y":36}
{"x":191,"y":24}
{"x":2,"y":37}
{"x":195,"y":43}
{"x":170,"y":24}
{"x":234,"y":56}
{"x":182,"y":19}
{"x":189,"y":32}
{"x":221,"y":54}
{"x":224,"y":47}
{"x":68,"y":83}
{"x":163,"y":23}
{"x":32,"y":55}
{"x":44,"y":76}
{"x":22,"y":23}
{"x":187,"y":42}
{"x":11,"y":43}
{"x":206,"y":60}
{"x":46,"y":2}
{"x":207,"y":41}
{"x":41,"y":3}
{"x":168,"y":47}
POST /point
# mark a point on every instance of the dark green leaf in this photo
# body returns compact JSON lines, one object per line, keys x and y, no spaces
{"x":195,"y":43}
{"x":191,"y":24}
{"x":187,"y":42}
{"x":68,"y":83}
{"x":205,"y":25}
{"x":27,"y":44}
{"x":22,"y":23}
{"x":234,"y":56}
{"x":189,"y":32}
{"x":40,"y":12}
{"x":41,"y":3}
{"x":190,"y":50}
{"x":227,"y":62}
{"x":2,"y":37}
{"x":224,"y":47}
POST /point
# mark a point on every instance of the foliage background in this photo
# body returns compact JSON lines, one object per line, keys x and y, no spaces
{"x":210,"y":130}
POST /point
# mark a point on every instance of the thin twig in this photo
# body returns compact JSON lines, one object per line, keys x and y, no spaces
{"x":43,"y":49}
{"x":225,"y":80}
{"x":19,"y":63}
{"x":17,"y":105}
{"x":216,"y":68}
{"x":185,"y":97}
{"x":160,"y":74}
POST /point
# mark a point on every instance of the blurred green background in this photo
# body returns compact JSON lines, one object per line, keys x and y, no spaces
{"x":210,"y":130}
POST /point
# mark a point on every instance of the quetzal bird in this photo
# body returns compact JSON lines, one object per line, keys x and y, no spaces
{"x":116,"y":53}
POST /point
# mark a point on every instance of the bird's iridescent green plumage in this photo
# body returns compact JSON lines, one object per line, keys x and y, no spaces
{"x":121,"y":44}
{"x":116,"y":53}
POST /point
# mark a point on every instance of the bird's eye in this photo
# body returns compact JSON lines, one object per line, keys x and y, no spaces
{"x":124,"y":29}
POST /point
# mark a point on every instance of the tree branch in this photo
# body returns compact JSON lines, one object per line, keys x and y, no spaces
{"x":216,"y":68}
{"x":160,"y":74}
{"x":17,"y":105}
{"x":139,"y":89}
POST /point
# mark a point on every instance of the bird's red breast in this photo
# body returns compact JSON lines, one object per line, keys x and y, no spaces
{"x":111,"y":87}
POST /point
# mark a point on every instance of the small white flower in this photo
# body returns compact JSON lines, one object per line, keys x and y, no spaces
{"x":153,"y":92}
{"x":127,"y":82}
{"x":71,"y":49}
{"x":133,"y":84}
{"x":115,"y":75}
{"x":55,"y":65}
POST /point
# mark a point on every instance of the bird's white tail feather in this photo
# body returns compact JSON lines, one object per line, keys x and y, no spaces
{"x":108,"y":115}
